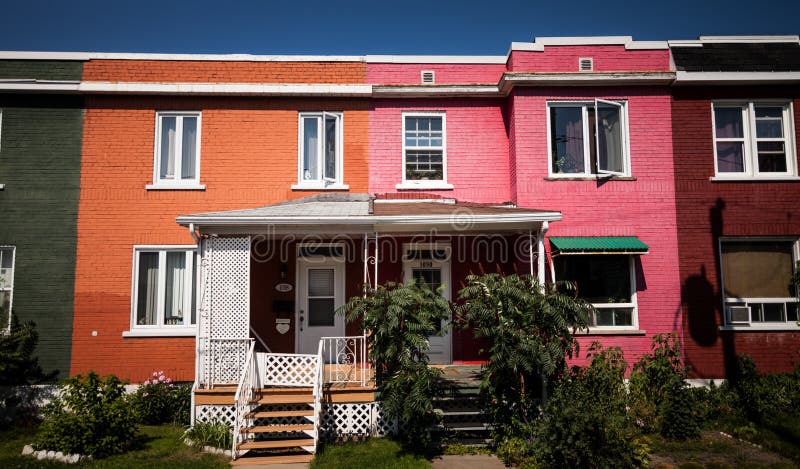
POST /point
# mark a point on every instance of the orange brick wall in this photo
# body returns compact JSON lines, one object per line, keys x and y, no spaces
{"x":248,"y":158}
{"x":224,"y":72}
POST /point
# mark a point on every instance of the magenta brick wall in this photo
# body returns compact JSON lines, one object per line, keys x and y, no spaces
{"x":477,"y":147}
{"x":707,"y":210}
{"x":606,"y":59}
{"x":644,"y":208}
{"x":409,"y":74}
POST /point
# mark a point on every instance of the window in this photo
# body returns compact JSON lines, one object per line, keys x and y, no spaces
{"x":588,"y":138}
{"x":320,"y":151}
{"x":177,"y":161}
{"x":606,"y":281}
{"x":753,"y":140}
{"x":6,"y":284}
{"x":424,"y":151}
{"x":756,"y":278}
{"x":164,"y":288}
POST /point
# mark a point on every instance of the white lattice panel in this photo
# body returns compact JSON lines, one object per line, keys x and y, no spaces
{"x":230,"y":288}
{"x":215,"y":413}
{"x":279,"y":369}
{"x":363,"y":419}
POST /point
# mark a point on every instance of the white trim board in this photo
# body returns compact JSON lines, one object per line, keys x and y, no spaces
{"x":690,"y":78}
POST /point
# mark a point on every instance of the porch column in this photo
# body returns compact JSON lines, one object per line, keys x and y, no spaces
{"x":541,"y":255}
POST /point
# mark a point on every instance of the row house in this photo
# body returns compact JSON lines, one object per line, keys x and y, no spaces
{"x":228,"y":205}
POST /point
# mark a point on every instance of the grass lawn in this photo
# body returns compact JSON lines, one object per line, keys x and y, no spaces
{"x":158,"y":447}
{"x":375,"y":453}
{"x":716,"y":451}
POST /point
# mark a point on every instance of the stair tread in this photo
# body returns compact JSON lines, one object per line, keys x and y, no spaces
{"x":287,"y":389}
{"x":284,"y":399}
{"x":257,"y":460}
{"x":277,"y":428}
{"x":280,"y":413}
{"x":265,"y":444}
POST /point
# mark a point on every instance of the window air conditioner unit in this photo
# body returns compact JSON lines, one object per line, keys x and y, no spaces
{"x":738,"y":314}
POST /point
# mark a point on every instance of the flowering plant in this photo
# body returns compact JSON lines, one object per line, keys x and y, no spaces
{"x":159,"y":400}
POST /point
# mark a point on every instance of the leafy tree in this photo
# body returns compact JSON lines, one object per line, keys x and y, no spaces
{"x":400,"y":318}
{"x":530,"y":334}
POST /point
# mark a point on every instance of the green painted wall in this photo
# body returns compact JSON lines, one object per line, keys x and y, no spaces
{"x":40,"y":156}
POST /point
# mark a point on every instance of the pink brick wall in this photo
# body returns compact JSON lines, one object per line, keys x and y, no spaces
{"x":477,"y":147}
{"x":644,"y":208}
{"x":606,"y":59}
{"x":409,"y":74}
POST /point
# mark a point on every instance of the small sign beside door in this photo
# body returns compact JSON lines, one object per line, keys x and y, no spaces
{"x":284,"y":287}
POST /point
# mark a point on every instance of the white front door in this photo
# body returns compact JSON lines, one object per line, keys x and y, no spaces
{"x":430,"y":264}
{"x":320,"y":292}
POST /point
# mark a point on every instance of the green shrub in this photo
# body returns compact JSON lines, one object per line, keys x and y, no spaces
{"x":400,"y":319}
{"x":680,"y":419}
{"x":217,"y":434}
{"x":585,"y":423}
{"x":655,"y":378}
{"x":764,"y":398}
{"x":158,"y":400}
{"x":91,"y":416}
{"x":19,"y":369}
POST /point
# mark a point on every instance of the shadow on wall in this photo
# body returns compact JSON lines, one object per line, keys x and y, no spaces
{"x":703,"y":302}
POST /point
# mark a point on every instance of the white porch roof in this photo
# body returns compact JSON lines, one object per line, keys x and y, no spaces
{"x":363,"y":213}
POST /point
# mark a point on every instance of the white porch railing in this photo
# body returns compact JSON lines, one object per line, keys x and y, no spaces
{"x":221,"y":360}
{"x":248,"y":383}
{"x":345,"y":359}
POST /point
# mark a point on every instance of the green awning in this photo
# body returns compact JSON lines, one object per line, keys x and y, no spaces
{"x":597,"y":245}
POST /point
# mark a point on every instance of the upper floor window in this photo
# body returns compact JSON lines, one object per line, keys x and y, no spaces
{"x":588,"y":138}
{"x":756,"y":279}
{"x":753,"y":140}
{"x":607,"y":282}
{"x":320,"y":151}
{"x":177,"y":152}
{"x":424,"y":150}
{"x":164,"y":289}
{"x":6,"y":284}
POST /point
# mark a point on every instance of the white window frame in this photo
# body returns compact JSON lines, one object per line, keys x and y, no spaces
{"x":589,"y":171}
{"x":2,"y":186}
{"x":176,"y":183}
{"x":633,"y":304}
{"x":726,"y":301}
{"x":322,"y":183}
{"x":750,"y":141}
{"x":10,"y":288}
{"x":417,"y":184}
{"x":160,"y":329}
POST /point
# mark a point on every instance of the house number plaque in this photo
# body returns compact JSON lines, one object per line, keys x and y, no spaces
{"x":284,"y":287}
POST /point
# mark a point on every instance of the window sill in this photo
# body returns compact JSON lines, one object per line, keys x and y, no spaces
{"x":754,"y":179}
{"x":408,"y":185}
{"x":788,"y":327}
{"x":609,"y":331}
{"x":175,"y":187}
{"x":162,"y":332}
{"x":320,"y":187}
{"x":590,"y":178}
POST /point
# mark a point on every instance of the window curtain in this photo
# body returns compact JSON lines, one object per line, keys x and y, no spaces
{"x":168,"y":144}
{"x":175,"y":293}
{"x":310,"y":150}
{"x":189,"y":148}
{"x":147,"y":302}
{"x":757,"y":269}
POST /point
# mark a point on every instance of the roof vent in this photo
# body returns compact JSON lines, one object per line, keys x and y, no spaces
{"x":427,"y":76}
{"x":585,"y":64}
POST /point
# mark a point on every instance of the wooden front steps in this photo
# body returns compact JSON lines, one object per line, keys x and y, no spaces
{"x":220,"y":394}
{"x":268,"y":460}
{"x":281,"y":426}
{"x":331,"y":393}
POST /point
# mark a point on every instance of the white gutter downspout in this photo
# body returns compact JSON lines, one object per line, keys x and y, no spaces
{"x":194,"y":235}
{"x":541,"y":255}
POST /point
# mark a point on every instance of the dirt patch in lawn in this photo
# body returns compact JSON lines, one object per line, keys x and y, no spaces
{"x":714,"y":450}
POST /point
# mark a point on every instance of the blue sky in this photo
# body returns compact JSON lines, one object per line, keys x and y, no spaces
{"x":360,"y":27}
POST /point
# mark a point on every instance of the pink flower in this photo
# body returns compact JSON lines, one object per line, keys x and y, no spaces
{"x":168,"y":380}
{"x":146,"y":383}
{"x":155,"y":373}
{"x":144,"y":395}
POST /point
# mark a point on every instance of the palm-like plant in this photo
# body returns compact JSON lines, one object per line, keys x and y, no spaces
{"x":530,"y":330}
{"x":399,"y":319}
